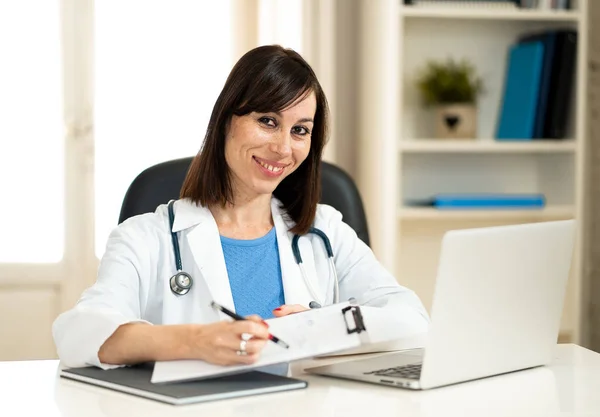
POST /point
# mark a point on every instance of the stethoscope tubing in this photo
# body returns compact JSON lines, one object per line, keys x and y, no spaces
{"x":176,"y":289}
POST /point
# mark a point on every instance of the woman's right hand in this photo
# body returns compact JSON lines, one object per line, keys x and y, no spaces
{"x":219,"y":342}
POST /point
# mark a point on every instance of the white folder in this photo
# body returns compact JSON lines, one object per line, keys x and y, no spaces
{"x":310,"y":333}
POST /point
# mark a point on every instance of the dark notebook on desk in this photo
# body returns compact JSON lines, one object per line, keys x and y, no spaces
{"x":136,"y":380}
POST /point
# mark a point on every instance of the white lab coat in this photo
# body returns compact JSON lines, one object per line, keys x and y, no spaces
{"x":133,"y":278}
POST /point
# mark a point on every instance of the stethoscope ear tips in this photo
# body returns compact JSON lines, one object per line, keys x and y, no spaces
{"x":181,"y":283}
{"x":314,"y":304}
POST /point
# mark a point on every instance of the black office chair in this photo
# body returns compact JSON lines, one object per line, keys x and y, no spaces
{"x":162,"y":182}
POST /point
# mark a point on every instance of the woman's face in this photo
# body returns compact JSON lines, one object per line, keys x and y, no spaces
{"x":261,"y":149}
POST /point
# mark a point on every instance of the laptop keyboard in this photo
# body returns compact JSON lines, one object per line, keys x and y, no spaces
{"x":405,"y":371}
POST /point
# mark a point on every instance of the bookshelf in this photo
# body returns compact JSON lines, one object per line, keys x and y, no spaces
{"x":489,"y":14}
{"x":426,"y":213}
{"x":486,"y":146}
{"x":400,"y":160}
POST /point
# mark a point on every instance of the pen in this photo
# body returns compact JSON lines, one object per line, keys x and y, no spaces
{"x":238,"y":317}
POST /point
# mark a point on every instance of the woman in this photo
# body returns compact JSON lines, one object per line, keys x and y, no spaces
{"x":255,"y":183}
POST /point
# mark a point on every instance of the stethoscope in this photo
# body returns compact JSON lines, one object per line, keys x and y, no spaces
{"x":181,"y":282}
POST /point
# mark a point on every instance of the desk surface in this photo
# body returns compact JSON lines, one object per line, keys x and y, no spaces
{"x":567,"y":387}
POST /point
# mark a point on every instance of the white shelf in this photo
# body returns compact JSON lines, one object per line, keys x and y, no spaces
{"x":489,"y":13}
{"x":486,"y":146}
{"x":430,"y":213}
{"x":401,"y":161}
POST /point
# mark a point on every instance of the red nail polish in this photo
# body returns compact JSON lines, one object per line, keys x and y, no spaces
{"x":265,"y":323}
{"x":277,"y":309}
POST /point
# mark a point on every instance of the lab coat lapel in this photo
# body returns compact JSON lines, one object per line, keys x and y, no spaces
{"x":306,"y":247}
{"x":205,"y":245}
{"x":294,"y":287}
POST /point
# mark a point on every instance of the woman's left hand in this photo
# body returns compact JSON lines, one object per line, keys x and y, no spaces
{"x":286,"y":309}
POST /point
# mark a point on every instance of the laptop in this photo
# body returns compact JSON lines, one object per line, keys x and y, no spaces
{"x":496,"y":309}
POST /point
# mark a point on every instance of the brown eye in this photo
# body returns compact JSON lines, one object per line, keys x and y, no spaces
{"x":300,"y":130}
{"x":267,"y":121}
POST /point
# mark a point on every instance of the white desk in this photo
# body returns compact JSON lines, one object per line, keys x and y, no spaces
{"x":568,"y":387}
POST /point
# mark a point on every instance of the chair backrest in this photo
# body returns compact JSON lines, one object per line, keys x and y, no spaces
{"x":162,"y":182}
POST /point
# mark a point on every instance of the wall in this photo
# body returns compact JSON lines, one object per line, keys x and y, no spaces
{"x":346,"y":83}
{"x":591,"y":277}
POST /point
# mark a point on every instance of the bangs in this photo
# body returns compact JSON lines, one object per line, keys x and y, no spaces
{"x":276,"y":87}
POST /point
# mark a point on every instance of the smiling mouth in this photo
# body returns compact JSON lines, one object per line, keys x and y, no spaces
{"x":271,"y":168}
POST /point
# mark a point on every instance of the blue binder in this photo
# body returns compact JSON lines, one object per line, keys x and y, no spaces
{"x":483,"y":201}
{"x":490,"y":201}
{"x":548,"y":77}
{"x":521,"y":92}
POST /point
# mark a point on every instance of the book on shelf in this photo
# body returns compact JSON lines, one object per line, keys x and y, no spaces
{"x":557,"y":81}
{"x":560,"y":4}
{"x":548,"y":42}
{"x":524,"y":4}
{"x":482,"y":201}
{"x":537,"y":86}
{"x":464,"y":3}
{"x":521,"y":90}
{"x":561,"y":85}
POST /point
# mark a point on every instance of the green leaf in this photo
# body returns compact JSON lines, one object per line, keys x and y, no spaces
{"x":450,"y":81}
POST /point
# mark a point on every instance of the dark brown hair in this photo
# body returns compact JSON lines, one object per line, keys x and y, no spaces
{"x":266,"y":79}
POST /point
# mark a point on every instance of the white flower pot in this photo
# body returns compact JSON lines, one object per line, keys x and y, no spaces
{"x":456,"y":121}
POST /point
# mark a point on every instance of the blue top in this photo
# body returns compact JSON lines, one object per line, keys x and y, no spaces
{"x":254,"y":274}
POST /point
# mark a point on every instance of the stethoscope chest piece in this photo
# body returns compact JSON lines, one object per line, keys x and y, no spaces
{"x":181,"y":283}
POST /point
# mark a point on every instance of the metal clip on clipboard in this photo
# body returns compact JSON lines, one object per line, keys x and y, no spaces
{"x":359,"y":324}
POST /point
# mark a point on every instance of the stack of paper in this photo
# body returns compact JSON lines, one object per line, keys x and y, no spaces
{"x":309,"y":334}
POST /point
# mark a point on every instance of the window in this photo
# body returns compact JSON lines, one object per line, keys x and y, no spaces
{"x":159,"y":68}
{"x":280,"y":21}
{"x":31,"y":133}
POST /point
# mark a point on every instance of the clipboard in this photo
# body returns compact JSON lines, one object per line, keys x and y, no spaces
{"x":310,"y":333}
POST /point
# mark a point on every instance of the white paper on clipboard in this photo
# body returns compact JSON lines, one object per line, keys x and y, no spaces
{"x":386,"y":334}
{"x":309,"y":333}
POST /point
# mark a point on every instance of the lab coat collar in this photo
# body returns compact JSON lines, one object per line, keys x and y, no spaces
{"x":189,"y":214}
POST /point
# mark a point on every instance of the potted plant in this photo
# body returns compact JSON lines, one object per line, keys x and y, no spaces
{"x":451,"y":88}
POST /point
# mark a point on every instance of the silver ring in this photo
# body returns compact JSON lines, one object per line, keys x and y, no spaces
{"x":242,"y":350}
